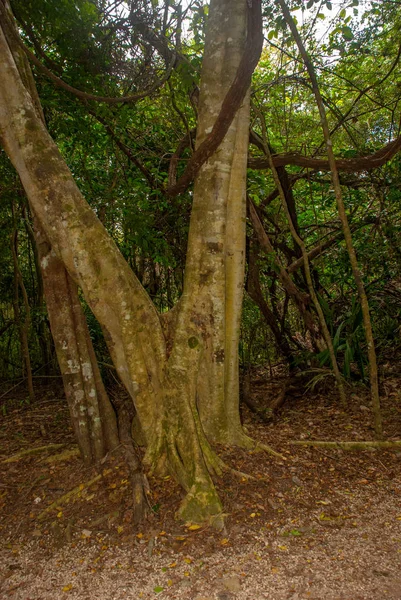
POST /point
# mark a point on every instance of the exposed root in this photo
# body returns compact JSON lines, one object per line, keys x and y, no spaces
{"x":258,"y":447}
{"x":350,"y":445}
{"x":244,"y":441}
{"x":239,"y":474}
{"x":202,"y":505}
{"x":68,"y":496}
{"x":29,"y":451}
{"x":62,"y":456}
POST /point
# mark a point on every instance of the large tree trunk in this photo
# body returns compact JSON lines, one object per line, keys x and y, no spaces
{"x":215,"y":265}
{"x":189,"y":395}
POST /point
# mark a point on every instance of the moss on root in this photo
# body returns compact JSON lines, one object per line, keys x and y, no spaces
{"x":202,"y":505}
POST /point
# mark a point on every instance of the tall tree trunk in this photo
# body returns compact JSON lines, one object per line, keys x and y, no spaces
{"x":92,"y":416}
{"x":189,"y":393}
{"x":215,"y":265}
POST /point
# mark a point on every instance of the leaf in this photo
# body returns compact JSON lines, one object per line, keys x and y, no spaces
{"x":324,"y":517}
{"x":60,"y":514}
{"x":194,"y":527}
{"x":224,"y":541}
{"x":158,"y":589}
{"x":347,"y":33}
{"x":67,"y":588}
{"x":252,"y":515}
{"x":295,"y":532}
{"x":188,"y":560}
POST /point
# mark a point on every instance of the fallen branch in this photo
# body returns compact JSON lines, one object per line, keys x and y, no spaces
{"x":29,"y":451}
{"x":68,"y":496}
{"x":348,"y":445}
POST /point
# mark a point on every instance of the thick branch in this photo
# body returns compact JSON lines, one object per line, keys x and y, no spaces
{"x":361,"y":163}
{"x":232,"y":101}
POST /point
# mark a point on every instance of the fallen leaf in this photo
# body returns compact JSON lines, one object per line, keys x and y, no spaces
{"x":194,"y":527}
{"x":67,"y":588}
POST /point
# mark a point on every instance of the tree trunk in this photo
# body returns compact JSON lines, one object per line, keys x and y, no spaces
{"x":214,"y":274}
{"x":187,"y":393}
{"x":92,"y":416}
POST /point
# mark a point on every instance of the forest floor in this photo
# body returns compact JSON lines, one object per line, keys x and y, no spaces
{"x":318,"y":524}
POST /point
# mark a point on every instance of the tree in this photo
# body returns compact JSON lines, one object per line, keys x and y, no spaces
{"x":183,"y":378}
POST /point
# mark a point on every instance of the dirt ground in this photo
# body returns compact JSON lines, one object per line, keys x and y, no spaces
{"x":319,"y":523}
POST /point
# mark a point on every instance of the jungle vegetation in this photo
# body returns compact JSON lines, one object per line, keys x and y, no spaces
{"x":187,"y":190}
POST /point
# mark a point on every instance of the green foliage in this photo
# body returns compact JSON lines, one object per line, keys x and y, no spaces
{"x":354,"y":48}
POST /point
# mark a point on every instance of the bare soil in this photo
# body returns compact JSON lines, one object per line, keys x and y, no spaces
{"x":318,"y":524}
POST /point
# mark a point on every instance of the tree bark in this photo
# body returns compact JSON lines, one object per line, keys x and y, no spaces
{"x":186,"y":393}
{"x":92,"y":416}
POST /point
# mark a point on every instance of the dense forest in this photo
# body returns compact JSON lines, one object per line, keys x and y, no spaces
{"x":189,"y":191}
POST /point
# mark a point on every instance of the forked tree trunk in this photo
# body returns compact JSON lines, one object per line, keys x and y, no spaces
{"x":189,"y":395}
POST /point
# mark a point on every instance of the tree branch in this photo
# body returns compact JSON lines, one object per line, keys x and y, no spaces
{"x":232,"y":101}
{"x":361,"y":163}
{"x":79,"y":93}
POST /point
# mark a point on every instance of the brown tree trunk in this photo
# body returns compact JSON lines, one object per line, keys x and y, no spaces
{"x":92,"y":415}
{"x":189,"y":391}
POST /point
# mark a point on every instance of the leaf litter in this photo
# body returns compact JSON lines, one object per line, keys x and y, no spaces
{"x":324,"y":524}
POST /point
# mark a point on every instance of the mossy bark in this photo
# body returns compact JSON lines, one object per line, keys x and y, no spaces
{"x":214,"y":273}
{"x":187,"y":396}
{"x":92,"y":416}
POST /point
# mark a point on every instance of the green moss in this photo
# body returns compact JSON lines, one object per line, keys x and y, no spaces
{"x":193,"y":342}
{"x":202,"y":505}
